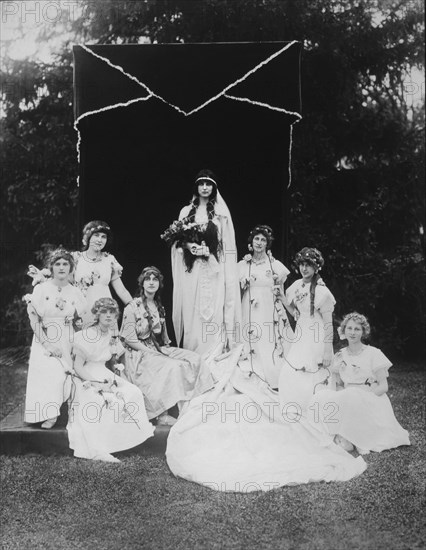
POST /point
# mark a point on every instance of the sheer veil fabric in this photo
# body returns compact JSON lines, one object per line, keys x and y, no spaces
{"x":206,"y":300}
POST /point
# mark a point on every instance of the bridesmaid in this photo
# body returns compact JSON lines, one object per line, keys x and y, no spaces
{"x":166,"y":375}
{"x":53,"y":309}
{"x":96,"y":269}
{"x":360,"y":413}
{"x":305,"y":370}
{"x":266,"y":328}
{"x":107,"y":413}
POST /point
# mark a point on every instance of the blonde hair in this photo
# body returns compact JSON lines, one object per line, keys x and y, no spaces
{"x":357,"y":318}
{"x":105,"y":303}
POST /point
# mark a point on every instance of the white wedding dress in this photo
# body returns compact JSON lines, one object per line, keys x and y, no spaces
{"x":235,"y":437}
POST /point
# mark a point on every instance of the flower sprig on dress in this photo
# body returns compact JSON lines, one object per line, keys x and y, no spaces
{"x":38,"y":275}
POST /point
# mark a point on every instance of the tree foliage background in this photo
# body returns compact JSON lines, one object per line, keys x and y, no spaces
{"x":358,"y":154}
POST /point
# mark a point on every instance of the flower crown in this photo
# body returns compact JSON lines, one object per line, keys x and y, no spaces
{"x":60,"y":253}
{"x":263,"y":228}
{"x":311,"y":256}
{"x":105,"y":303}
{"x":89,"y":231}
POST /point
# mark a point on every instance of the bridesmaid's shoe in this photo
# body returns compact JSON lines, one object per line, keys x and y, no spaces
{"x":344,"y":443}
{"x":166,"y":420}
{"x":362,"y":451}
{"x":49,"y":423}
{"x":106,"y":457}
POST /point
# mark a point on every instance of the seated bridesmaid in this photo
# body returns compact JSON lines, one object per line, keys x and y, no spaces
{"x":53,"y":308}
{"x":360,"y":414}
{"x":107,"y":414}
{"x":166,"y":375}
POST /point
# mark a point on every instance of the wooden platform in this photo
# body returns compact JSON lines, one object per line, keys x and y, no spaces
{"x":20,"y":438}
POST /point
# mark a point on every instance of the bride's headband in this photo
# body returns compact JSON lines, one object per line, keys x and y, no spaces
{"x":202,"y":178}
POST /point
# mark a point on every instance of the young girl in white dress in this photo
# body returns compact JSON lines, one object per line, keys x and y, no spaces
{"x":305,"y":370}
{"x":107,"y":413}
{"x":360,"y":414}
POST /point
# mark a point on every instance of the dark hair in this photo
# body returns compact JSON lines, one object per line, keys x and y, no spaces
{"x":312,"y":257}
{"x":208,"y":176}
{"x":95,"y":226}
{"x":210,"y":235}
{"x":146,"y":272}
{"x":60,"y":253}
{"x":264,"y":230}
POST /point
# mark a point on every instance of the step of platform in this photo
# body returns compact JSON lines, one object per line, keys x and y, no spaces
{"x":19,"y":438}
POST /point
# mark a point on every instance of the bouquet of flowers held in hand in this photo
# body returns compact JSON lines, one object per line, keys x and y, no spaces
{"x":180,"y":230}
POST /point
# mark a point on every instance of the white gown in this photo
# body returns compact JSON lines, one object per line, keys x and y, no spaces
{"x":267,"y":333}
{"x":235,"y":438}
{"x":206,"y":302}
{"x":93,"y":278}
{"x":301,"y":376}
{"x":359,"y":415}
{"x":106,"y":422}
{"x":48,"y":385}
{"x":164,"y":380}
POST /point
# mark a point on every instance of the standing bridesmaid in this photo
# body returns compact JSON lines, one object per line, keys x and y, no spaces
{"x":306,"y":369}
{"x":96,"y":269}
{"x":266,"y":329}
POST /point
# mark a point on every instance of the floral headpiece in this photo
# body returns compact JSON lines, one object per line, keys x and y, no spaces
{"x":148,"y":271}
{"x":310,"y":256}
{"x":93,"y":227}
{"x":58,"y":254}
{"x":265,"y":230}
{"x":105,"y":303}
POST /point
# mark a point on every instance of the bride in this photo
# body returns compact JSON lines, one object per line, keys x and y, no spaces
{"x":206,"y":306}
{"x":237,"y":437}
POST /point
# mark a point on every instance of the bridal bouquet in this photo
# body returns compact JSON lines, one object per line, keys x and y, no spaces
{"x":180,"y":230}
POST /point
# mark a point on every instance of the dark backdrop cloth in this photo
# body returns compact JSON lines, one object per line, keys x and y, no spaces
{"x":139,"y":151}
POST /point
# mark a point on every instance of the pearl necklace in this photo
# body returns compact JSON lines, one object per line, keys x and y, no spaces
{"x":89,"y":259}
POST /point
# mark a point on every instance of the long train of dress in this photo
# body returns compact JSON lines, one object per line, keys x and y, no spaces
{"x":236,"y":438}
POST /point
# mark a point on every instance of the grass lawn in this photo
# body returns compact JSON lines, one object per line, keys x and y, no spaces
{"x":66,"y":503}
